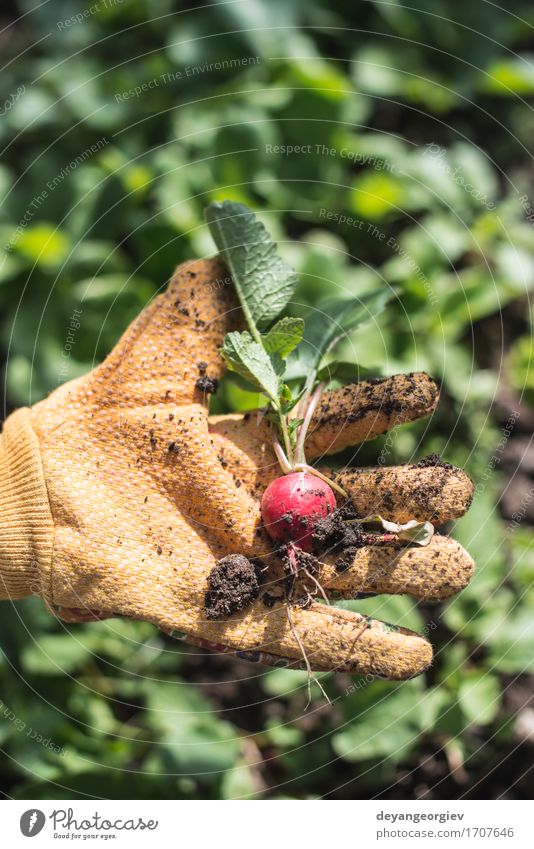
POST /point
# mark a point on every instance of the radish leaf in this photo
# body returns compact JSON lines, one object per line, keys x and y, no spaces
{"x":263,"y":280}
{"x":284,"y":336}
{"x":251,"y":361}
{"x":327,"y":325}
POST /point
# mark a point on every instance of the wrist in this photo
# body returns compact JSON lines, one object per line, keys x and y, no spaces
{"x":26,"y":525}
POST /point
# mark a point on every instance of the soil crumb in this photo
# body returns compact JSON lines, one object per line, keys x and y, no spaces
{"x":346,"y":558}
{"x":233,"y":583}
{"x":207,"y":384}
{"x":433,"y":460}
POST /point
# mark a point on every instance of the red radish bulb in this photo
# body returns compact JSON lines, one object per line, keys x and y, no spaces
{"x":292,"y":505}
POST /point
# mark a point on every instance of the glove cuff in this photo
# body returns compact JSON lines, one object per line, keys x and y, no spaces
{"x":26,"y":524}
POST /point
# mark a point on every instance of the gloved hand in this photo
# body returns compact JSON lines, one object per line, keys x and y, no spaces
{"x":118,"y":495}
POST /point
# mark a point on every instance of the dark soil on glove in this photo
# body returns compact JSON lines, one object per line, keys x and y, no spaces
{"x":207,"y":384}
{"x":233,"y":584}
{"x":204,"y":382}
{"x":433,"y":461}
{"x":335,"y":533}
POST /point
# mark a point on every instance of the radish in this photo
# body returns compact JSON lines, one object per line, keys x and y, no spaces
{"x":293,"y":504}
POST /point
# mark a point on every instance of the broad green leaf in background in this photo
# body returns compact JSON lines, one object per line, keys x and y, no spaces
{"x":43,"y":244}
{"x":389,"y":729}
{"x":239,"y":783}
{"x":194,"y":738}
{"x":58,"y":654}
{"x":284,"y":682}
{"x":377,"y":195}
{"x":263,"y":280}
{"x":520,"y":367}
{"x":510,"y":75}
{"x":399,"y":609}
{"x":512,"y":650}
{"x":479,"y":697}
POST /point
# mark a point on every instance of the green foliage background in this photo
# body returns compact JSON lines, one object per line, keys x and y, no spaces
{"x":433,"y":108}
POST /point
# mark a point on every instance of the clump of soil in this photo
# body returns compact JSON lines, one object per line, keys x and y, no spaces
{"x":433,"y":460}
{"x":336,"y":533}
{"x":233,"y":583}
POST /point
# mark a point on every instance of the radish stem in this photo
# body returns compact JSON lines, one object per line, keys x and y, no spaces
{"x":303,"y":429}
{"x":285,"y":465}
{"x":287,"y":441}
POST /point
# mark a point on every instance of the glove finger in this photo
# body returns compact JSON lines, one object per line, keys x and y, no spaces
{"x":400,"y":493}
{"x":361,"y":411}
{"x":261,"y":657}
{"x":434,"y":571}
{"x":332,"y":639}
{"x":170,"y":353}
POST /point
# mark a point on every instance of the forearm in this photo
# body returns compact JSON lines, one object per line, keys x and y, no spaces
{"x":26,"y":526}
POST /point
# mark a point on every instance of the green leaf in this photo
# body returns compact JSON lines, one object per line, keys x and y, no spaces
{"x":479,"y":697}
{"x":388,"y":729}
{"x":281,"y":734}
{"x":395,"y":608}
{"x":328,"y":324}
{"x":263,"y":280}
{"x":262,"y":370}
{"x":294,"y":424}
{"x":58,"y":654}
{"x":284,"y":336}
{"x":193,"y":738}
{"x":43,"y":244}
{"x":292,"y":427}
{"x":239,"y":783}
{"x":512,"y":649}
{"x":287,"y":682}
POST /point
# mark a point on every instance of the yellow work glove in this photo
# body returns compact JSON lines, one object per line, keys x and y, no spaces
{"x":118,"y":496}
